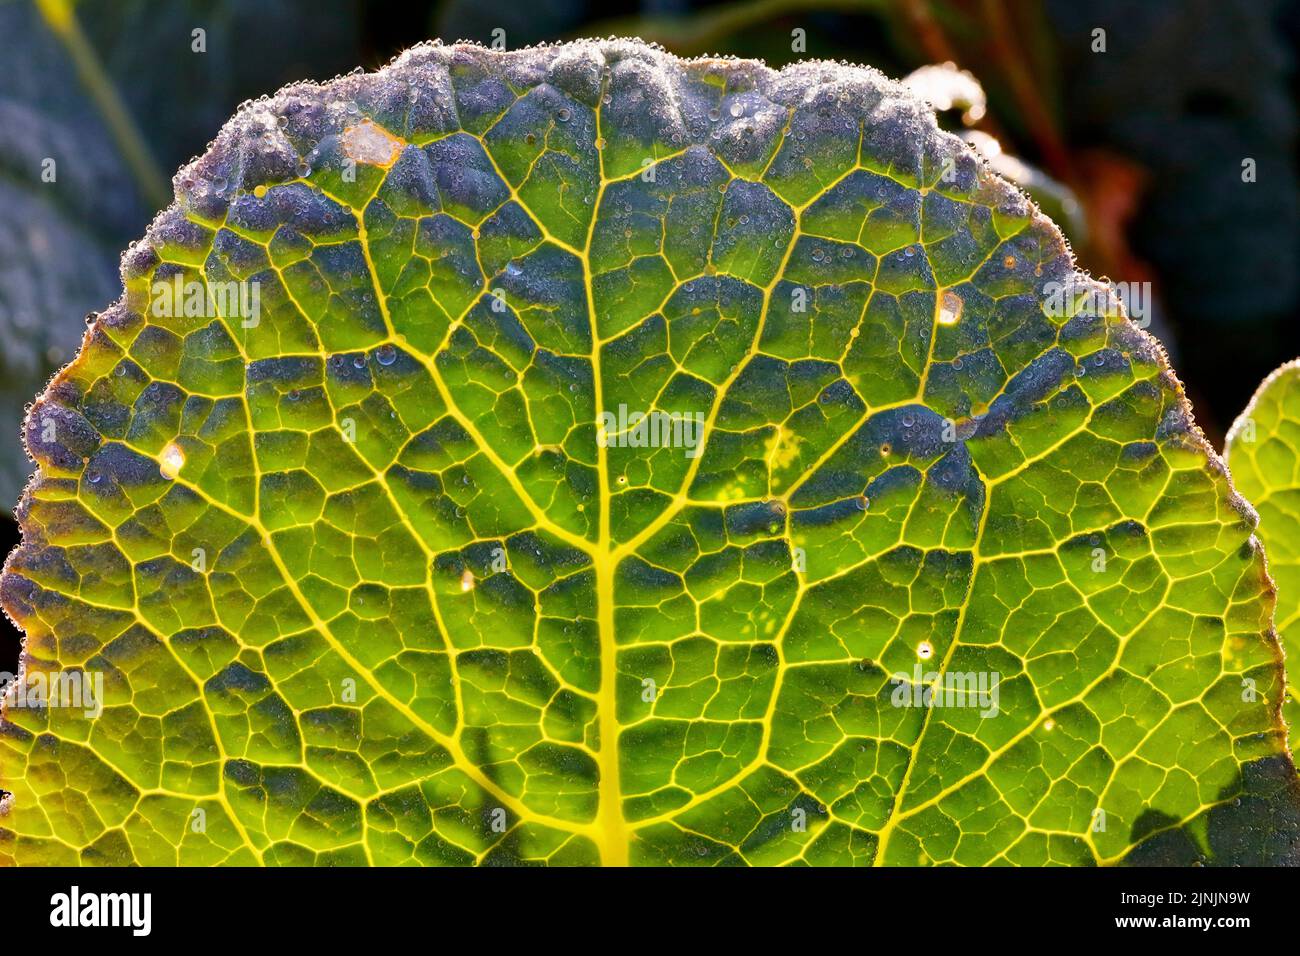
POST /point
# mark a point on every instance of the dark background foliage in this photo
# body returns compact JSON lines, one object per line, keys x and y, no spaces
{"x":1148,"y":137}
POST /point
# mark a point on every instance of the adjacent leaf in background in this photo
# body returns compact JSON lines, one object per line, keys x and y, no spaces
{"x":1263,"y":451}
{"x":68,"y":199}
{"x":385,"y":570}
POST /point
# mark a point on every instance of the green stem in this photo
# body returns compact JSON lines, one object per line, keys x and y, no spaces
{"x":62,"y":21}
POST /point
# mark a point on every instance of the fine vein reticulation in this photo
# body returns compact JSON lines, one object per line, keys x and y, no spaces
{"x":347,"y":500}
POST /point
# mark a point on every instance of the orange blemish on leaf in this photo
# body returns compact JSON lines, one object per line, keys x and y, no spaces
{"x":371,"y":144}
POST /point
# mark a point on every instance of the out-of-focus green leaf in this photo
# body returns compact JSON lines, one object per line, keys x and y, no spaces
{"x":1263,"y":451}
{"x":627,"y":460}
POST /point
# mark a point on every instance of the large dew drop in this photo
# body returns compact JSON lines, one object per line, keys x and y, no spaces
{"x":171,"y":461}
{"x":950,"y":304}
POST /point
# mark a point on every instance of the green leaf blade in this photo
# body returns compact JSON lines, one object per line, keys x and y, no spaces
{"x":619,"y":444}
{"x":1263,"y":451}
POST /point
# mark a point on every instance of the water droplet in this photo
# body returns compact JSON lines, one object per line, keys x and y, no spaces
{"x":171,"y":461}
{"x":737,"y":109}
{"x":358,"y":361}
{"x":386,"y":355}
{"x":950,"y":305}
{"x":562,"y":114}
{"x":467,"y":580}
{"x":925,"y":650}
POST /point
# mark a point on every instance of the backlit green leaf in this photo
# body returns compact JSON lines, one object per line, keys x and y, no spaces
{"x":1263,"y":451}
{"x":581,"y":455}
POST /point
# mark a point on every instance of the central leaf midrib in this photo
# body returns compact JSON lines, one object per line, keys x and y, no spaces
{"x":611,"y":827}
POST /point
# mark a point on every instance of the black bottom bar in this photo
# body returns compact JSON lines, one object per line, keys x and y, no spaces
{"x":563,"y":908}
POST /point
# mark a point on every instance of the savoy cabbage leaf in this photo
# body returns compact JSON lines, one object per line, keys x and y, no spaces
{"x":581,"y":455}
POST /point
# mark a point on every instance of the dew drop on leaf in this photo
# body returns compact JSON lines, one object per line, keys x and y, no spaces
{"x":170,"y":461}
{"x":950,"y":305}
